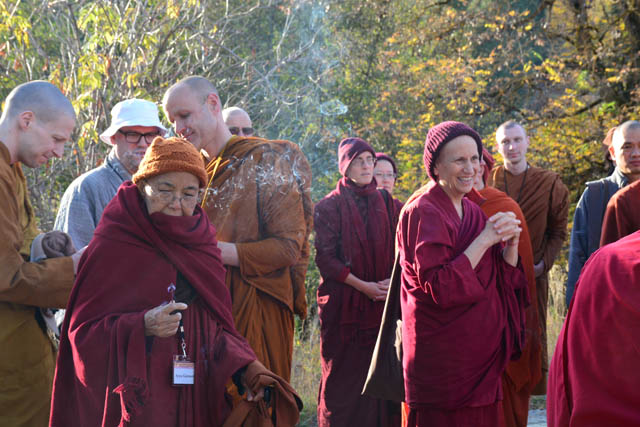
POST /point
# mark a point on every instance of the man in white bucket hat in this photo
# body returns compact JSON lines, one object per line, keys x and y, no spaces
{"x":134,"y":125}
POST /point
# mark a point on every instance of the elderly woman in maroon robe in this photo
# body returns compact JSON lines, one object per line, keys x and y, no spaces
{"x":150,"y":309}
{"x":354,"y":227}
{"x":463,"y":290}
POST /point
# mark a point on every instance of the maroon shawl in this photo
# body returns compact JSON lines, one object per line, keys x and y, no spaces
{"x":108,"y":373}
{"x":366,"y":246}
{"x":595,"y":371}
{"x":461,"y":325}
{"x":346,"y":242}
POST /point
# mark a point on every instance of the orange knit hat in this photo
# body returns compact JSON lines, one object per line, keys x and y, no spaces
{"x":171,"y":155}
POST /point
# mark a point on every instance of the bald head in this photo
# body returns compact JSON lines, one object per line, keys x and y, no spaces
{"x":199,"y":86}
{"x":509,"y":124}
{"x":42,"y":98}
{"x":238,"y":121}
{"x":620,"y":131}
{"x":625,"y":149}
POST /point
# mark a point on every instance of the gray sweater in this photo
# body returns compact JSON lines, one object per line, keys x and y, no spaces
{"x":83,"y":202}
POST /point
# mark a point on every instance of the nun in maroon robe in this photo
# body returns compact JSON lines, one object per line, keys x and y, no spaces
{"x":463,"y":291}
{"x":594,"y":376}
{"x":111,"y":371}
{"x":354,"y":227}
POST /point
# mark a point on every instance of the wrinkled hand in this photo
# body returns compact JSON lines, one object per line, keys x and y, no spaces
{"x":376,"y":291}
{"x":57,"y":243}
{"x":160,"y":322}
{"x":502,"y":227}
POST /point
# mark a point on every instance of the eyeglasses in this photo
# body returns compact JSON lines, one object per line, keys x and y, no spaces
{"x":245,"y":131}
{"x":361,"y":162}
{"x":389,"y":175}
{"x":134,"y":137}
{"x":168,"y":196}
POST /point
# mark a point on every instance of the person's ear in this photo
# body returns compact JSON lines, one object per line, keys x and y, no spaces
{"x":25,"y":119}
{"x":213,"y":101}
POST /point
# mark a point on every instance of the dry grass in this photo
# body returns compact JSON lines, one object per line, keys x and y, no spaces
{"x":306,"y":373}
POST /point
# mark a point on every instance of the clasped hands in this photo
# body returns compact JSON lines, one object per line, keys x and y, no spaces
{"x":502,"y":227}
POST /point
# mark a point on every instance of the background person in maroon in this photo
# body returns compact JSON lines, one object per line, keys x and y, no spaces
{"x":462,"y":295}
{"x":354,"y":242}
{"x":385,"y":172}
{"x":595,"y":369}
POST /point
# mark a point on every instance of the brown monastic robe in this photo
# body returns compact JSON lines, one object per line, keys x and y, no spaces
{"x":27,"y":358}
{"x":255,"y":202}
{"x":622,"y":216}
{"x":544,"y":200}
{"x":520,"y":376}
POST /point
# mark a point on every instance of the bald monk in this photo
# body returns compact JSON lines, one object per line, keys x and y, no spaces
{"x":621,"y":142}
{"x":622,"y":216}
{"x":595,"y":370}
{"x":523,"y":374}
{"x":256,"y":205}
{"x":238,"y":121}
{"x":463,"y":292}
{"x":36,"y":123}
{"x":544,"y":200}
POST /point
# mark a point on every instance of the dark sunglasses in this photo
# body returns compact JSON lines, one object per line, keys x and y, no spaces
{"x":245,"y":131}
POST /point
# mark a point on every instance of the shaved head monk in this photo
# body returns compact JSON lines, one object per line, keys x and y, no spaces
{"x":36,"y":123}
{"x":238,"y":121}
{"x":544,"y":200}
{"x":624,"y":148}
{"x":622,"y":216}
{"x":595,"y":371}
{"x":521,"y":375}
{"x":254,"y":201}
{"x":463,"y":291}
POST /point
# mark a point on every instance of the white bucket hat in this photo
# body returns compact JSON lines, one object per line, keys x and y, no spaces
{"x":132,"y":112}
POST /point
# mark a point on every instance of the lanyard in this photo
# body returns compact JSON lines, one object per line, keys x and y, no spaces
{"x":183,"y":344}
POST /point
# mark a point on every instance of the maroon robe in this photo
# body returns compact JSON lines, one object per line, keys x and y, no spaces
{"x":108,"y":373}
{"x":353,"y":235}
{"x":595,"y":370}
{"x":461,"y":325}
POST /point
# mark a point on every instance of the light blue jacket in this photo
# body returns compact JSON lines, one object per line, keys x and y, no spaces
{"x":84,"y":200}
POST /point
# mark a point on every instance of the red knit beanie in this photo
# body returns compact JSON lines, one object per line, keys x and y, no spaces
{"x":489,"y":161}
{"x":349,"y":149}
{"x":438,"y":136}
{"x":171,"y":155}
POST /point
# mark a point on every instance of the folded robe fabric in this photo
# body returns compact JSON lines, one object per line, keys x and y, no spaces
{"x":107,"y":370}
{"x":461,"y":325}
{"x":595,"y":370}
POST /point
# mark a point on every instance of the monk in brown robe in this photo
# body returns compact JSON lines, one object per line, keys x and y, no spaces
{"x":256,"y":204}
{"x":520,"y":376}
{"x":544,"y":200}
{"x":35,"y":124}
{"x":622,"y":216}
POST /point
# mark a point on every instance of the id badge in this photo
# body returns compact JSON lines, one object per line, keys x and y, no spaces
{"x":184,"y":371}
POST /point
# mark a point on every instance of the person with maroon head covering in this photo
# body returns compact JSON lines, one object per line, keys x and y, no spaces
{"x":463,"y":291}
{"x":354,"y":241}
{"x":153,"y":268}
{"x":595,"y":369}
{"x":385,"y":172}
{"x":521,"y":376}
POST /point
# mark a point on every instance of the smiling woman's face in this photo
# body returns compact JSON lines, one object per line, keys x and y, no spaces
{"x":172,"y":193}
{"x":457,"y":165}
